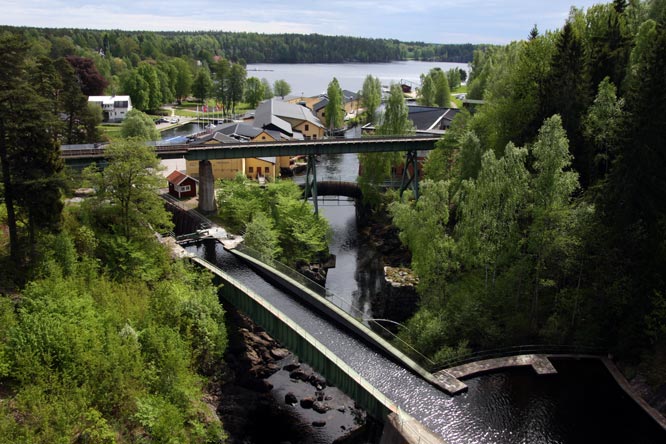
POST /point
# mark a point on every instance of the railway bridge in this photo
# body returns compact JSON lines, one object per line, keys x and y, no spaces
{"x":411,"y":145}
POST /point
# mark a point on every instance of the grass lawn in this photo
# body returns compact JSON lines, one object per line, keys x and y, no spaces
{"x":110,"y":130}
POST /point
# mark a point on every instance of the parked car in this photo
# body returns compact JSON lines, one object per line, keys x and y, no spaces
{"x":161,"y":120}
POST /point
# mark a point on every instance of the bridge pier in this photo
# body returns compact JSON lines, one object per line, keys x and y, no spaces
{"x":207,"y":203}
{"x":311,"y":182}
{"x":407,"y":178}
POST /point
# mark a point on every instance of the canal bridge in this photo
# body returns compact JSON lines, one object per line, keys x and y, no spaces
{"x":411,"y":145}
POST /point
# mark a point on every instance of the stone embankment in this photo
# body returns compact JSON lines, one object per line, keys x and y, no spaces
{"x":268,"y":396}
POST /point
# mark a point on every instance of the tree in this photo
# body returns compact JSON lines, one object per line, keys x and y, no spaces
{"x":221,"y":75}
{"x":29,"y":155}
{"x":139,"y":126}
{"x":236,"y":85}
{"x":74,"y":107}
{"x":453,"y":77}
{"x":130,"y":183}
{"x":183,"y":84}
{"x":261,"y":235}
{"x":423,"y":229}
{"x":602,"y":125}
{"x":442,"y":90}
{"x":202,"y":85}
{"x":92,"y":83}
{"x":568,"y":73}
{"x":395,"y":121}
{"x":254,"y":91}
{"x":487,"y":230}
{"x":154,"y":88}
{"x":426,"y":94}
{"x":335,"y":111}
{"x":376,"y":167}
{"x":268,"y":89}
{"x":281,"y":88}
{"x":371,"y":96}
{"x":435,"y":89}
{"x":553,"y":186}
{"x":134,"y":85}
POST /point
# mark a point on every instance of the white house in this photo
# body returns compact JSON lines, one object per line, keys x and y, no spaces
{"x":115,"y":108}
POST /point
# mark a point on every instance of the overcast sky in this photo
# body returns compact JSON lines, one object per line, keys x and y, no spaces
{"x":432,"y":21}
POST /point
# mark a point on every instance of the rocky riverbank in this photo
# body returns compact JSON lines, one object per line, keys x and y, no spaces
{"x":268,"y":396}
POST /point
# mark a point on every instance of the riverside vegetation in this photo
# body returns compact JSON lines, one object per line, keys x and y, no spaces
{"x":542,"y":217}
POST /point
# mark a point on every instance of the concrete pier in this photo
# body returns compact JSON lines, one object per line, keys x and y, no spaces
{"x":207,"y":203}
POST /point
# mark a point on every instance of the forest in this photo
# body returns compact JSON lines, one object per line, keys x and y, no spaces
{"x":542,"y":216}
{"x":247,"y":47}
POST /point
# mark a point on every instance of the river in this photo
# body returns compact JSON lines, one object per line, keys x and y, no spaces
{"x":313,"y":78}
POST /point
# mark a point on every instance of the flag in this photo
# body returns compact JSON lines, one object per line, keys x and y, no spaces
{"x":205,"y":109}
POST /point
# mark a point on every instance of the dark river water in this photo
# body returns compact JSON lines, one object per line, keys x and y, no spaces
{"x":580,"y":404}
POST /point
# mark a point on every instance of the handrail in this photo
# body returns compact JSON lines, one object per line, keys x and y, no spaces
{"x":329,"y":295}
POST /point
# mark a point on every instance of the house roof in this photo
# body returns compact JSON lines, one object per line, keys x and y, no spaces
{"x":319,"y":105}
{"x":239,"y":129}
{"x":427,"y":118}
{"x":176,"y":177}
{"x":349,"y":95}
{"x":268,"y":159}
{"x":109,"y":100}
{"x":282,"y":115}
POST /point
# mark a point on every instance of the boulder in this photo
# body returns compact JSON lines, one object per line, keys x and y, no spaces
{"x":290,"y":399}
{"x":320,"y":407}
{"x":307,"y":402}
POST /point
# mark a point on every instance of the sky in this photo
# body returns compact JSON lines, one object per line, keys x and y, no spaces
{"x":430,"y":21}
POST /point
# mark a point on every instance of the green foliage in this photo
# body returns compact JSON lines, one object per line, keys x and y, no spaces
{"x":335,"y":111}
{"x":268,"y":89}
{"x":183,"y":81}
{"x":138,"y":125}
{"x":281,"y":88}
{"x":202,"y":84}
{"x":395,"y":120}
{"x":277,"y":211}
{"x":422,"y":230}
{"x":261,"y":235}
{"x":29,"y":154}
{"x":129,"y":184}
{"x":426,"y":95}
{"x":108,"y":361}
{"x":254,"y":91}
{"x":435,"y":89}
{"x":371,"y":96}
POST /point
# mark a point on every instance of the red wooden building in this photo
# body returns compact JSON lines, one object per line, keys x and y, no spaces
{"x":181,"y":185}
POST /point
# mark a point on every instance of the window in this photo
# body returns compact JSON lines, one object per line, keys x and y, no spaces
{"x":184,"y":188}
{"x":251,"y":169}
{"x":307,"y":127}
{"x":314,"y":136}
{"x":267,"y":169}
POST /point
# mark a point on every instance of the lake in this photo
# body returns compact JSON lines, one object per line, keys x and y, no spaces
{"x":311,"y":79}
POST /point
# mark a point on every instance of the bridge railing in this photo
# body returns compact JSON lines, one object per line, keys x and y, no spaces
{"x":340,"y":303}
{"x":543,"y":349}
